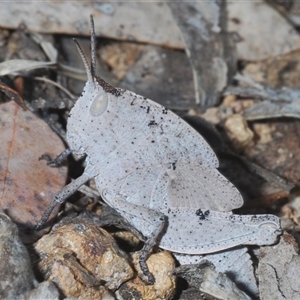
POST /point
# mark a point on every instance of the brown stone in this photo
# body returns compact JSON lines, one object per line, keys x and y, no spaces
{"x":160,"y":265}
{"x":81,"y":257}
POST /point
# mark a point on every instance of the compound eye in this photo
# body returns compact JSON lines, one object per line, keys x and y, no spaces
{"x":99,"y":104}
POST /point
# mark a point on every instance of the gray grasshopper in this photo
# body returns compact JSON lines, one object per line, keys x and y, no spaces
{"x":157,"y":172}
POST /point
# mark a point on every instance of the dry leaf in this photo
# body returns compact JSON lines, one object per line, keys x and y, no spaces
{"x":253,"y":23}
{"x":210,"y":50}
{"x":17,"y":65}
{"x":155,"y":70}
{"x":13,"y":95}
{"x":143,"y":22}
{"x":27,"y":184}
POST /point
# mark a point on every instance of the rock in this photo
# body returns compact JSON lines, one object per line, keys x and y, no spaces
{"x":83,"y":260}
{"x":46,"y":290}
{"x":238,"y":131}
{"x":278,"y":270}
{"x":16,"y":276}
{"x":160,"y":265}
{"x":205,"y":277}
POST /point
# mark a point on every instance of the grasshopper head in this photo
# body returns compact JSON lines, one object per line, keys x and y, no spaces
{"x":92,"y":103}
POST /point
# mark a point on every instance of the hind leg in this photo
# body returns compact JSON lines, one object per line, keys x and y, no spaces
{"x":148,"y":221}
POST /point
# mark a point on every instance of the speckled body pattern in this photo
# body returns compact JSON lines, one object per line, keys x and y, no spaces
{"x":143,"y":155}
{"x":158,"y":172}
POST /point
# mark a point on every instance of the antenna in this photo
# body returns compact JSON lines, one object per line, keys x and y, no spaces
{"x":93,"y":47}
{"x":85,"y":62}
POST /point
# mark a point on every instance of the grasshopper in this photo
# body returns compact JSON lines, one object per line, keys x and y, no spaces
{"x":156,"y":171}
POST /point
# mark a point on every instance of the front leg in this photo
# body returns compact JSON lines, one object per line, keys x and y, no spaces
{"x":149,"y":222}
{"x":57,"y":161}
{"x":62,"y":195}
